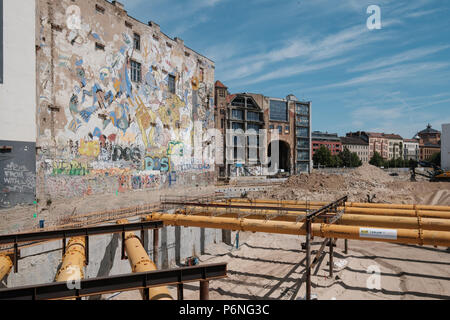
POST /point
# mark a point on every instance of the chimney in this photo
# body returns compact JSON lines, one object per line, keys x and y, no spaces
{"x":155,"y":27}
{"x":179,"y":41}
{"x":119,"y":5}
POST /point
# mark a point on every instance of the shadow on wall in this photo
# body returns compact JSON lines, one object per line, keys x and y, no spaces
{"x":108,"y":261}
{"x":3,"y":283}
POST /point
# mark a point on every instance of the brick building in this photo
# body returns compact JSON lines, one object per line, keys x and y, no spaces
{"x":264,"y":123}
{"x":377,"y":142}
{"x":429,"y":142}
{"x":330,"y":140}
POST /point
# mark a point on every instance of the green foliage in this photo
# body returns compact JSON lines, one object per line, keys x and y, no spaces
{"x":377,"y":160}
{"x":349,"y":159}
{"x":435,"y":159}
{"x":324,"y":157}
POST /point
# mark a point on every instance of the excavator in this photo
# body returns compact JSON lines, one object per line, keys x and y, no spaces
{"x":436,"y":175}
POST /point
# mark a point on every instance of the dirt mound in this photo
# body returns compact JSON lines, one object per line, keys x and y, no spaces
{"x":316,"y":182}
{"x":371,"y":173}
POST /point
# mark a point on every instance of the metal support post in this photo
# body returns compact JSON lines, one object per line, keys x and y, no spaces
{"x":331,"y":257}
{"x":204,"y":290}
{"x":156,"y":246}
{"x":180,"y":291}
{"x":308,"y":259}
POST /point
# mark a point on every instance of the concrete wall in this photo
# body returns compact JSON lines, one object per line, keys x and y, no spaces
{"x":445,"y":147}
{"x":18,"y":105}
{"x":100,"y":132}
{"x":39,"y":264}
{"x":17,"y":92}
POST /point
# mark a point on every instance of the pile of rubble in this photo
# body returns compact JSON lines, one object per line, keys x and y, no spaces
{"x":359,"y":185}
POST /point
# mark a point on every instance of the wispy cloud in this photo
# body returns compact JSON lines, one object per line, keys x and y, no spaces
{"x":397,"y":59}
{"x":391,"y":74}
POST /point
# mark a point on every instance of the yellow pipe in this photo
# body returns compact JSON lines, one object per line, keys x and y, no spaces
{"x":425,"y":237}
{"x":319,"y":204}
{"x":140,"y":262}
{"x":346,"y":219}
{"x":399,"y":212}
{"x":73,"y":262}
{"x":360,"y":211}
{"x":5,"y":266}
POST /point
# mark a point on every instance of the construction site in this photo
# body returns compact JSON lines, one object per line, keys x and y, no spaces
{"x":307,"y":237}
{"x":129,"y":172}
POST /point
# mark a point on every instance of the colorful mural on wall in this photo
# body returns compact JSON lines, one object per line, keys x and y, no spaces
{"x":138,"y":134}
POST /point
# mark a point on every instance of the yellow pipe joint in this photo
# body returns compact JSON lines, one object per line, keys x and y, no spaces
{"x":5,"y":266}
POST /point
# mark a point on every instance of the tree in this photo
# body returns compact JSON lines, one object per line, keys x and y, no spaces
{"x":377,"y":160}
{"x":435,"y":159}
{"x":355,"y":161}
{"x":350,"y":159}
{"x":323,"y":157}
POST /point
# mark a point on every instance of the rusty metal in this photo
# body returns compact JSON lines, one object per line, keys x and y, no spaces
{"x":78,"y":232}
{"x":122,"y":283}
{"x":204,"y":290}
{"x":156,"y":246}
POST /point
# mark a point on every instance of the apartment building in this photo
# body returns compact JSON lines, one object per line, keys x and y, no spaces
{"x":396,"y":146}
{"x":411,"y":149}
{"x":377,"y":142}
{"x":330,"y":140}
{"x":357,"y":145}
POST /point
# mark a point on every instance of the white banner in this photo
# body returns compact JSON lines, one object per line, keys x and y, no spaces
{"x":372,"y":233}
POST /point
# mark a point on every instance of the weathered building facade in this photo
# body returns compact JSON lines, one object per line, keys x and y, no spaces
{"x":430,"y":142}
{"x":445,"y":143}
{"x":254,"y":126}
{"x":396,"y":146}
{"x":121,"y":105}
{"x":358,"y":146}
{"x":17,"y":103}
{"x":411,"y":149}
{"x":377,"y":142}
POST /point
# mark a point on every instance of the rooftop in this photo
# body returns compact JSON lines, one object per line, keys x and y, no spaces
{"x":354,"y":141}
{"x":393,"y":136}
{"x":429,"y":130}
{"x":220,"y":85}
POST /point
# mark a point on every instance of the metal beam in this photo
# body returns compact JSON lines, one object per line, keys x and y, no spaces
{"x":234,"y":206}
{"x":332,"y":207}
{"x":79,"y":232}
{"x":131,"y":282}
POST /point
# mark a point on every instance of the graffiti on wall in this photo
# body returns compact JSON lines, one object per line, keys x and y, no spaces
{"x":17,"y":178}
{"x":111,"y":124}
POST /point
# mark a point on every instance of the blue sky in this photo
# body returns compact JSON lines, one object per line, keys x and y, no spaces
{"x":393,"y":80}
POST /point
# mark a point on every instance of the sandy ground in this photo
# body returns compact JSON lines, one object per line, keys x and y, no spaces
{"x":59,"y":212}
{"x":270,"y":266}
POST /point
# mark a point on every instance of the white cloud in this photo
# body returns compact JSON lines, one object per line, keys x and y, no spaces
{"x":410,"y":55}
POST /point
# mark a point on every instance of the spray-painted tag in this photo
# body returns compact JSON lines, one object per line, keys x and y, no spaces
{"x":389,"y":234}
